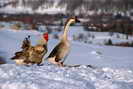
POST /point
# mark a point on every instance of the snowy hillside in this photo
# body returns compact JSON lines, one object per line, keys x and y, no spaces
{"x":112,"y":66}
{"x":31,"y":6}
{"x":63,"y":6}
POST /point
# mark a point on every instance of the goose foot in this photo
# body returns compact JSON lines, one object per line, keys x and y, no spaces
{"x":60,"y":64}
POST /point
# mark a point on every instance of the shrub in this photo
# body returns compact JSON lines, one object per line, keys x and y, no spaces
{"x":109,"y":42}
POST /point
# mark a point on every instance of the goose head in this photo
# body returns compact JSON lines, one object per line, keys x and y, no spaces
{"x":73,"y":20}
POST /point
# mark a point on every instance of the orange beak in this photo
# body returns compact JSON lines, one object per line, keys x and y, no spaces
{"x":45,"y":36}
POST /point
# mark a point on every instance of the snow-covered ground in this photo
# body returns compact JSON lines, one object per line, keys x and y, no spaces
{"x":53,"y":77}
{"x":98,"y":37}
{"x":113,"y":67}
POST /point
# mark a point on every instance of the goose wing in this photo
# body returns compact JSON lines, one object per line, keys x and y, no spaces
{"x":20,"y":55}
{"x":55,"y":51}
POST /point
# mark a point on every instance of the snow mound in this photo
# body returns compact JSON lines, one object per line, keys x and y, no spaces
{"x":52,"y":77}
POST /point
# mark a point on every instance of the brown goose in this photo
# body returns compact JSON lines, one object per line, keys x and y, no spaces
{"x":61,"y":50}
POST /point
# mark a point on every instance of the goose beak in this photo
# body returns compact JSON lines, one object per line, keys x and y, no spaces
{"x":77,"y":20}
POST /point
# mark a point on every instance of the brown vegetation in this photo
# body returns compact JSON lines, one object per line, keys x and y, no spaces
{"x":2,"y":60}
{"x":97,"y":22}
{"x":109,"y":22}
{"x":123,"y":44}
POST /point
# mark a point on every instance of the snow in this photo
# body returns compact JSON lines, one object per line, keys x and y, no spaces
{"x":20,"y":8}
{"x":99,"y":37}
{"x":53,"y":77}
{"x":52,"y":10}
{"x":112,"y":66}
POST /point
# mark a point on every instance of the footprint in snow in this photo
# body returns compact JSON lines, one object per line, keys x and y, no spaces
{"x":98,"y":54}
